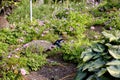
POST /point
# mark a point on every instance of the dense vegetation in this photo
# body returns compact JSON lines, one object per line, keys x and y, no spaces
{"x":73,"y":21}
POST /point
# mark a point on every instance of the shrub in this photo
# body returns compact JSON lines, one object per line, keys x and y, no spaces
{"x":101,"y":58}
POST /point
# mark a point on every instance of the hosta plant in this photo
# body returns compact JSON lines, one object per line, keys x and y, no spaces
{"x":101,"y":61}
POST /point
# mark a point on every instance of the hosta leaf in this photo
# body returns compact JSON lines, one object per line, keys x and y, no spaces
{"x":85,"y":52}
{"x":92,"y":77}
{"x":92,"y":66}
{"x":115,"y":51}
{"x":87,"y":55}
{"x":101,"y":72}
{"x":114,"y":71}
{"x":105,"y":78}
{"x":112,"y":35}
{"x":98,"y":47}
{"x":108,"y":45}
{"x":97,"y":55}
{"x":80,"y":75}
{"x":109,"y":36}
{"x":117,"y":34}
{"x":114,"y":62}
{"x":86,"y":66}
{"x":96,"y":64}
{"x":107,"y":57}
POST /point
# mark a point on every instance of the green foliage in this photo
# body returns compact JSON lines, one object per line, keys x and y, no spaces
{"x":113,"y":20}
{"x":112,"y":36}
{"x":60,"y":20}
{"x":107,"y":14}
{"x":72,"y":50}
{"x":3,"y":49}
{"x":101,"y":57}
{"x":6,"y":3}
{"x":7,"y":36}
{"x":35,"y":61}
{"x":10,"y":75}
{"x":73,"y":24}
{"x":12,"y":63}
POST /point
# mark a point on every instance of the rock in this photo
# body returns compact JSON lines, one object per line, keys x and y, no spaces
{"x":39,"y":46}
{"x":3,"y":22}
{"x":35,"y":46}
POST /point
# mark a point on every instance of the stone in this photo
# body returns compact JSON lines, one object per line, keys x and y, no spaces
{"x":39,"y":46}
{"x":36,"y":46}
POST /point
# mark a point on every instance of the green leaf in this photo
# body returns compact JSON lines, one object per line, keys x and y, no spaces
{"x":96,"y":65}
{"x":112,"y":35}
{"x":92,"y":77}
{"x":85,"y":52}
{"x":93,"y":65}
{"x":109,"y":36}
{"x":87,"y":55}
{"x":98,"y":47}
{"x":114,"y":71}
{"x":115,"y":51}
{"x":114,"y":62}
{"x":97,"y":55}
{"x":101,"y":72}
{"x":86,"y":66}
{"x":80,"y":74}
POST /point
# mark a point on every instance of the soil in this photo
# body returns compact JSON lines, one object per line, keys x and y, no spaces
{"x":3,"y":22}
{"x":98,"y":28}
{"x":60,"y":71}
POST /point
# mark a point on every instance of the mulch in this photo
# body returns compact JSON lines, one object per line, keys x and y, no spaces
{"x":61,"y":71}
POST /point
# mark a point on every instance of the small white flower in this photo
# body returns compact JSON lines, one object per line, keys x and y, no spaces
{"x":17,"y":49}
{"x":10,"y":55}
{"x":110,"y":28}
{"x":41,"y":23}
{"x":42,"y":35}
{"x":96,"y":37}
{"x":17,"y":56}
{"x":45,"y":32}
{"x":71,"y":28}
{"x":92,"y":28}
{"x":86,"y":7}
{"x":26,"y":45}
{"x":23,"y":71}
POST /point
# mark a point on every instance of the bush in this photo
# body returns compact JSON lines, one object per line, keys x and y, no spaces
{"x":101,"y":58}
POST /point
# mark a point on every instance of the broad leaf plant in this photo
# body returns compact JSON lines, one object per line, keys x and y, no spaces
{"x":101,"y":61}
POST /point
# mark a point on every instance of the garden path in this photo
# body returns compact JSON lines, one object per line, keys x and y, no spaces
{"x":60,"y":70}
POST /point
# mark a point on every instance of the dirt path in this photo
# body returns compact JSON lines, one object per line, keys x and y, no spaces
{"x":56,"y":70}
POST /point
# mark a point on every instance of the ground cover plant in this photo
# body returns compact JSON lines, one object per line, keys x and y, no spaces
{"x":21,"y":62}
{"x":53,"y":21}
